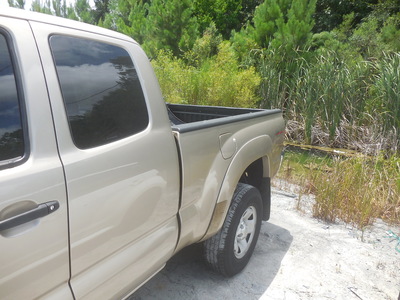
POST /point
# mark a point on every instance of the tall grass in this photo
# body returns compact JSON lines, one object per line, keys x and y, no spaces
{"x":387,"y":95}
{"x":326,"y":100}
{"x":327,"y":95}
{"x":355,"y":105}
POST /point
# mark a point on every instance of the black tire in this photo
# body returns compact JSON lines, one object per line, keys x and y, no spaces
{"x":237,"y":232}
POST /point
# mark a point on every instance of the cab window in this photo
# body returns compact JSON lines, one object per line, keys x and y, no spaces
{"x":102,"y":94}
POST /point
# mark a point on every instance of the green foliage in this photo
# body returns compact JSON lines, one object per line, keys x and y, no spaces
{"x":387,"y":89}
{"x":266,"y":19}
{"x":227,"y":15}
{"x":172,"y":26}
{"x":295,"y":32}
{"x":366,"y":39}
{"x":128,"y":17}
{"x":101,"y":10}
{"x":336,"y":42}
{"x":345,"y":29}
{"x":17,"y":3}
{"x":384,"y":9}
{"x":59,"y":9}
{"x":223,"y":13}
{"x":282,"y":30}
{"x":176,"y":79}
{"x":217,"y":81}
{"x":391,"y":34}
{"x":80,"y":11}
{"x":322,"y":93}
{"x":204,"y":47}
{"x":71,"y":14}
{"x":330,"y":14}
{"x":158,"y":24}
{"x":83,"y":11}
{"x":284,"y":24}
{"x":376,"y":34}
{"x":248,"y":9}
{"x":332,"y":91}
{"x":245,"y":44}
{"x":45,"y":8}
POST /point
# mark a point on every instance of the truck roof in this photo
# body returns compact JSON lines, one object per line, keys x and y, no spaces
{"x":53,"y":20}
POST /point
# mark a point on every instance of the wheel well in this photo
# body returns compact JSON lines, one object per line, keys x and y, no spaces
{"x":253,"y":175}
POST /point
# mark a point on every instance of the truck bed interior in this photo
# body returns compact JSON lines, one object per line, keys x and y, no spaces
{"x":181,"y":114}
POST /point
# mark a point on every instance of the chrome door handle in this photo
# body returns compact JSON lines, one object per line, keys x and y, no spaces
{"x":40,"y":211}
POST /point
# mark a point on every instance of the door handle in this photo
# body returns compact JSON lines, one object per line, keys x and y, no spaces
{"x":40,"y":211}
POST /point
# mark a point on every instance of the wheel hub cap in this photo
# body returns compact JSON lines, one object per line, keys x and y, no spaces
{"x":245,"y":232}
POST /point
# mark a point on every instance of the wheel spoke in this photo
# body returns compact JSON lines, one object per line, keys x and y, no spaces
{"x":250,"y":227}
{"x":242,"y":246}
{"x":236,"y":247}
{"x":248,"y":214}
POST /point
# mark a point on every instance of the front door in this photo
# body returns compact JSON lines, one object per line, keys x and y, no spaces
{"x":34,"y":257}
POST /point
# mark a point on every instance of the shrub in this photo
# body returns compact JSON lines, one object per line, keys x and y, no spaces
{"x":218,"y":81}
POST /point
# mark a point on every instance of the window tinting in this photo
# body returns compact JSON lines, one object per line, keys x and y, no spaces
{"x":11,"y":136}
{"x":101,"y":90}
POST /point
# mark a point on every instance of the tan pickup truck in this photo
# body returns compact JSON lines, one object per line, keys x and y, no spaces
{"x":101,"y":181}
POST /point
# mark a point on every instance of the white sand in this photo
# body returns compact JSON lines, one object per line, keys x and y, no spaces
{"x":297,"y":257}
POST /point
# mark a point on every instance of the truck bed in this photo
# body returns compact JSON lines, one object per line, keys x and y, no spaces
{"x":193,"y":117}
{"x":212,"y":142}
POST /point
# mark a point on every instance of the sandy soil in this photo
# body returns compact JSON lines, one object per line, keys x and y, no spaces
{"x":297,"y":257}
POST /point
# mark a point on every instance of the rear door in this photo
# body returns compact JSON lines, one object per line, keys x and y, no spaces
{"x":34,"y":257}
{"x":120,"y":162}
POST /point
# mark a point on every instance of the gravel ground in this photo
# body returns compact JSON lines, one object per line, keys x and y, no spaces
{"x":296,"y":257}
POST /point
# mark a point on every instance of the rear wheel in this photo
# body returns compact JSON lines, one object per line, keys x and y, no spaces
{"x":229,"y":251}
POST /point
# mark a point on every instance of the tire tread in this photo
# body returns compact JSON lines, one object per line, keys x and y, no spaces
{"x":214,"y":248}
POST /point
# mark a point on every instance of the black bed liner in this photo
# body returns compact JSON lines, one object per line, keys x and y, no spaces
{"x":186,"y":118}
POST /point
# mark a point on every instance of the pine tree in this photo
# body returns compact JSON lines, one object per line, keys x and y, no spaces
{"x":57,"y":7}
{"x":51,"y":7}
{"x":128,"y":17}
{"x":83,"y":11}
{"x":136,"y":24}
{"x":101,"y":10}
{"x":17,"y":3}
{"x":295,"y":32}
{"x":172,"y":26}
{"x":284,"y":23}
{"x":267,"y":17}
{"x":45,"y":8}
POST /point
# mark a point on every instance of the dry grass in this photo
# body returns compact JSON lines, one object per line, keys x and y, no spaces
{"x":368,"y":140}
{"x":356,"y":190}
{"x":359,"y":190}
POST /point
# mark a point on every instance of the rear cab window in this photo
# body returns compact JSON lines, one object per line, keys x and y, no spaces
{"x":101,"y":89}
{"x":12,"y":144}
